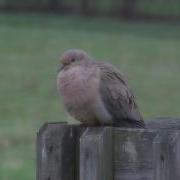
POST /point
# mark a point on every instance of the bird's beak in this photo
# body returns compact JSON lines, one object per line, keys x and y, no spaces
{"x":61,"y":67}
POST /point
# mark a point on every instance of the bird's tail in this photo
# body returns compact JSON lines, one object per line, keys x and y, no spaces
{"x":129,"y":123}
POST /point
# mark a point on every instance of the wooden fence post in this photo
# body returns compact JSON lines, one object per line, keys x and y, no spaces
{"x":96,"y":154}
{"x":161,"y":156}
{"x":133,"y":154}
{"x":166,"y":155}
{"x":67,"y":152}
{"x":174,"y":155}
{"x":56,"y":152}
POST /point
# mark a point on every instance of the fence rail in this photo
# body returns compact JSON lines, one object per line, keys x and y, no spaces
{"x":69,"y":152}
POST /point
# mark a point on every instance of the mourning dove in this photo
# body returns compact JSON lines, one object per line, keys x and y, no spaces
{"x":96,"y":93}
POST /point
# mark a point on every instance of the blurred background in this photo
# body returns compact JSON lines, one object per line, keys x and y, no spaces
{"x":140,"y":37}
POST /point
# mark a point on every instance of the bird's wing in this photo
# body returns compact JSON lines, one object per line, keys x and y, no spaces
{"x":118,"y":97}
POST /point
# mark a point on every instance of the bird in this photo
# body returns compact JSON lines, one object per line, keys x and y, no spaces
{"x":95,"y":92}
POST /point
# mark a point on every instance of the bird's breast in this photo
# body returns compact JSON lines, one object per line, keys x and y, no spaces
{"x":79,"y":89}
{"x":78,"y":84}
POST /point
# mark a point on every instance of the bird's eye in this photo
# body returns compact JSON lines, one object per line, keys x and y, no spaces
{"x":72,"y":60}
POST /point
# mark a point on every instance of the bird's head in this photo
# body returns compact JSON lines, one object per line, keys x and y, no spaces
{"x":72,"y":57}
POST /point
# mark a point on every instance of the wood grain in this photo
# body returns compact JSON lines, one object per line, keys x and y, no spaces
{"x":96,"y":154}
{"x":56,"y":148}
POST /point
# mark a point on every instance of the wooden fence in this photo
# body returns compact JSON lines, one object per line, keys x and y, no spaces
{"x":70,"y":152}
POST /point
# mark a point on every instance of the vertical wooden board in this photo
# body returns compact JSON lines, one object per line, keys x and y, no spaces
{"x":79,"y":131}
{"x":56,"y":152}
{"x":96,"y":154}
{"x":133,"y":154}
{"x":166,"y":153}
{"x":174,"y":155}
{"x":161,"y":156}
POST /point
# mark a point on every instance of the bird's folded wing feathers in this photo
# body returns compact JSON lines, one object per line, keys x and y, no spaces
{"x":118,"y":97}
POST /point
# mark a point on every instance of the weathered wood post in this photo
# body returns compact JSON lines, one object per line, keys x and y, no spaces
{"x":67,"y":152}
{"x":56,"y":148}
{"x":96,"y":154}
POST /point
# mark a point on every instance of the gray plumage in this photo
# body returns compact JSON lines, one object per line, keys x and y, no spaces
{"x":118,"y":97}
{"x":96,"y":92}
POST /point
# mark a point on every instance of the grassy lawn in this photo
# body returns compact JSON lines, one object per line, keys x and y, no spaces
{"x":148,"y":53}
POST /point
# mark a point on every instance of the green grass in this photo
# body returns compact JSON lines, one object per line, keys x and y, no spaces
{"x":159,"y":8}
{"x":149,"y":54}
